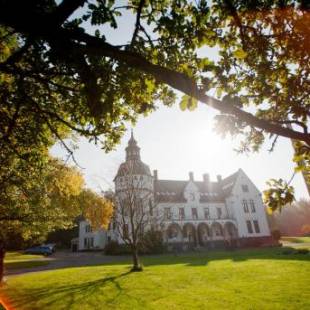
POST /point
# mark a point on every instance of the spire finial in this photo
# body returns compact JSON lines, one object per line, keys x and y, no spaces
{"x":131,"y":133}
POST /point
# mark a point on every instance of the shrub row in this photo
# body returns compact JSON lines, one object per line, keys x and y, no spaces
{"x":151,"y":243}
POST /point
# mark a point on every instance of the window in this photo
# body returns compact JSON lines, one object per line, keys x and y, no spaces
{"x":256,"y":227}
{"x":252,"y":205}
{"x":245,"y":206}
{"x":194,"y":213}
{"x":245,"y":188}
{"x":88,"y":243}
{"x":167,"y":213}
{"x":219,"y":212}
{"x":207,"y":213}
{"x":88,"y":228}
{"x":181,"y":214}
{"x":249,"y":225}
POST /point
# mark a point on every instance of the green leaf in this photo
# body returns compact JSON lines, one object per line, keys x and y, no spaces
{"x":184,"y":102}
{"x":189,"y":103}
{"x":240,"y":53}
{"x":192,"y":103}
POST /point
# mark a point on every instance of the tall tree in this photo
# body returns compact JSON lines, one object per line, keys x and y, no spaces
{"x":47,"y":200}
{"x":135,"y":212}
{"x":78,"y":79}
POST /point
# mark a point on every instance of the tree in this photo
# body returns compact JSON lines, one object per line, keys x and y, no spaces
{"x":97,"y":209}
{"x":47,"y":201}
{"x":294,"y":219}
{"x":81,"y":81}
{"x":135,"y":212}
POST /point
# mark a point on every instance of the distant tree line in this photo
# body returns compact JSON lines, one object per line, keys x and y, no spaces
{"x":294,"y":220}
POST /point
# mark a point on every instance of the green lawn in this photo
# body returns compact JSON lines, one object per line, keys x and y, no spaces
{"x":258,"y":279}
{"x":18,"y":260}
{"x":296,"y":239}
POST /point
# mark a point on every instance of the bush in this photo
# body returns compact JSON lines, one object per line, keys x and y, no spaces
{"x":302,"y":251}
{"x":152,"y":243}
{"x":288,"y":251}
{"x":114,"y":248}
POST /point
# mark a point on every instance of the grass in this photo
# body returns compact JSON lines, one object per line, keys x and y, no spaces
{"x":296,"y":239}
{"x":18,"y":260}
{"x":244,"y":279}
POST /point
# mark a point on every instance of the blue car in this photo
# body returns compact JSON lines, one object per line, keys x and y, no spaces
{"x":43,"y":250}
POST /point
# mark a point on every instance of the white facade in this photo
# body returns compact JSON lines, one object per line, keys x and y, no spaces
{"x":193,"y":213}
{"x":91,"y":240}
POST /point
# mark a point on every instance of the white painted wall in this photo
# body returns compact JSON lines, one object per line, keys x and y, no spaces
{"x":234,"y":202}
{"x":232,"y":208}
{"x":99,"y":236}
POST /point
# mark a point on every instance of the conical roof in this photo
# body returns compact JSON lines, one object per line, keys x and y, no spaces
{"x":133,"y":164}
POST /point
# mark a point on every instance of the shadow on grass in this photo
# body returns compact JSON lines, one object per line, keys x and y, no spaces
{"x":197,"y":258}
{"x":70,"y":294}
{"x":24,"y":264}
{"x":66,"y":295}
{"x":240,"y":255}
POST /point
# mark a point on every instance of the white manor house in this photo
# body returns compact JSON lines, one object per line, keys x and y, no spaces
{"x":229,"y":211}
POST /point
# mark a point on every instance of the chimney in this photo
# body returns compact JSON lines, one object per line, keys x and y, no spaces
{"x":155,"y":175}
{"x":206,"y":178}
{"x":219,"y":178}
{"x":191,"y":176}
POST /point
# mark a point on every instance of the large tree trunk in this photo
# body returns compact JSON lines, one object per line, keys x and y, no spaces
{"x":2,"y":253}
{"x":136,"y":261}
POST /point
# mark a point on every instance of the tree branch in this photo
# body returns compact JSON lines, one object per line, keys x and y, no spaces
{"x":65,"y":9}
{"x":137,"y":25}
{"x":92,"y":45}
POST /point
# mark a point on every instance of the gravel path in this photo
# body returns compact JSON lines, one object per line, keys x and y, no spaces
{"x":68,"y":259}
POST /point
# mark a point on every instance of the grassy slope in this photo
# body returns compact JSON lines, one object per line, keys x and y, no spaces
{"x":260,"y":279}
{"x":17,"y":260}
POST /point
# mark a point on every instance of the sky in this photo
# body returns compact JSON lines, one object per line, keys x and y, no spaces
{"x":176,"y":142}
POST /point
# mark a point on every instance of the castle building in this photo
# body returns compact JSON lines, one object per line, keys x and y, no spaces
{"x":205,"y":213}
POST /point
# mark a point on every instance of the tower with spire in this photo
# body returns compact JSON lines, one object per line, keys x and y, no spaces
{"x":132,"y":150}
{"x":133,"y":167}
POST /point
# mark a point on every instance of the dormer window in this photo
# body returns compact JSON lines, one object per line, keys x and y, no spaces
{"x":194,"y":213}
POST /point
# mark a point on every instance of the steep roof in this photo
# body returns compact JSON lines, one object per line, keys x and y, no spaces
{"x":173,"y":190}
{"x":228,"y":183}
{"x":133,"y":167}
{"x":133,"y":164}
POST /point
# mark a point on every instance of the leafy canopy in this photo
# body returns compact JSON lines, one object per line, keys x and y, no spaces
{"x":65,"y":73}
